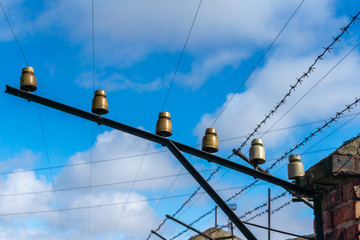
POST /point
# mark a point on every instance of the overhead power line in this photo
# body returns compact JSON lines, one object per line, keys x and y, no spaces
{"x":181,"y":55}
{"x":309,"y":137}
{"x":301,"y":79}
{"x":261,"y":58}
{"x":258,"y":62}
{"x":40,"y":119}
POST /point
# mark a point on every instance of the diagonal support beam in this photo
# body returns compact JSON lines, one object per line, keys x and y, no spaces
{"x":153,"y":232}
{"x":206,"y":186}
{"x":189,"y":227}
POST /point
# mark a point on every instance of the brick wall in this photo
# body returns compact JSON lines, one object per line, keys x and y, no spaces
{"x":341,"y":211}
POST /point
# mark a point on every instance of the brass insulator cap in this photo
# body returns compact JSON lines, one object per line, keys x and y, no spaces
{"x":210,"y":142}
{"x":257,"y":152}
{"x":165,"y":115}
{"x":294,"y":158}
{"x":295,"y":167}
{"x":100,"y":93}
{"x":164,"y":125}
{"x":28,"y":70}
{"x":210,"y":131}
{"x":28,"y":80}
{"x":257,"y":141}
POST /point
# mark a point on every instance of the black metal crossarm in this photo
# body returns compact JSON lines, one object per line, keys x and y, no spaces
{"x":176,"y":148}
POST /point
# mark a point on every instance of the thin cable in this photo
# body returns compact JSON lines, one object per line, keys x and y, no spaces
{"x":258,"y":62}
{"x":338,"y":115}
{"x":131,"y":189}
{"x":41,"y":123}
{"x":51,"y":173}
{"x":103,"y":205}
{"x":156,"y":207}
{"x":217,"y":170}
{"x":14,"y":35}
{"x":92,"y":125}
{"x":181,"y":55}
{"x":337,"y":129}
{"x":342,"y":59}
{"x":301,"y":79}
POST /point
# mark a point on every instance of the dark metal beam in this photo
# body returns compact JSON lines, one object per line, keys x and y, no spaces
{"x":158,"y":139}
{"x":152,"y":231}
{"x":276,"y":230}
{"x":206,"y":186}
{"x":189,"y":227}
{"x":318,"y":218}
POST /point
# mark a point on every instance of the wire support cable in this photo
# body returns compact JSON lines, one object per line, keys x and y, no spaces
{"x":162,"y":151}
{"x":181,"y":56}
{"x":13,"y":33}
{"x":92,"y":125}
{"x":337,"y":116}
{"x":301,"y":79}
{"x":337,"y":64}
{"x":292,"y":88}
{"x":272,"y":212}
{"x":40,"y":118}
{"x":258,"y":62}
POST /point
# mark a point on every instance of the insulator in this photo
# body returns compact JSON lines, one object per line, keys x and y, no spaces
{"x":164,"y":125}
{"x":28,"y":80}
{"x":257,"y":152}
{"x":210,"y":142}
{"x":295,"y":167}
{"x":100,"y":104}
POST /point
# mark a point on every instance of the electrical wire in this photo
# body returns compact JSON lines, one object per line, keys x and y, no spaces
{"x":161,"y":151}
{"x":107,"y":205}
{"x":258,"y":62}
{"x":268,"y":49}
{"x":181,"y":55}
{"x":342,"y":59}
{"x":92,"y":125}
{"x":13,"y":33}
{"x":40,"y":119}
{"x":337,"y":116}
{"x":302,"y":77}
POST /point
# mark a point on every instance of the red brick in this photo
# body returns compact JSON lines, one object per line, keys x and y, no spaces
{"x":351,"y":190}
{"x":334,"y":199}
{"x":353,"y":232}
{"x":328,"y":219}
{"x":350,"y":211}
{"x":336,"y":235}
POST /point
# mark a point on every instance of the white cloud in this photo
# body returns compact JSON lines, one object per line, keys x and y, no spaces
{"x":115,"y":82}
{"x":270,"y":83}
{"x":127,"y":32}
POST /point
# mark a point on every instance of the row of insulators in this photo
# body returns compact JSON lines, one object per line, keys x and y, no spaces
{"x":210,"y":142}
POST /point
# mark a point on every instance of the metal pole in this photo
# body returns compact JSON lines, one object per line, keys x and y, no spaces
{"x":232,"y":231}
{"x":158,"y":139}
{"x":206,"y":186}
{"x":269,"y":214}
{"x":216,"y":207}
{"x":152,"y":231}
{"x":318,"y":218}
{"x":189,"y":227}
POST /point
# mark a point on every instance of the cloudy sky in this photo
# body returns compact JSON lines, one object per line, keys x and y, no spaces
{"x":110,"y":185}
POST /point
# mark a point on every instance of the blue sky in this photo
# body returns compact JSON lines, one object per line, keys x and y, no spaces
{"x":137,"y":46}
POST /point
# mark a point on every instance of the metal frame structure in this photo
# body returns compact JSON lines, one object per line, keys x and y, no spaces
{"x":177,"y":148}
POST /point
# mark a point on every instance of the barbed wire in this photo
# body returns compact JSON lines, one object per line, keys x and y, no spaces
{"x":266,"y":211}
{"x":292,"y":89}
{"x":264,"y":204}
{"x":311,"y":135}
{"x":327,"y":123}
{"x":300,"y":79}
